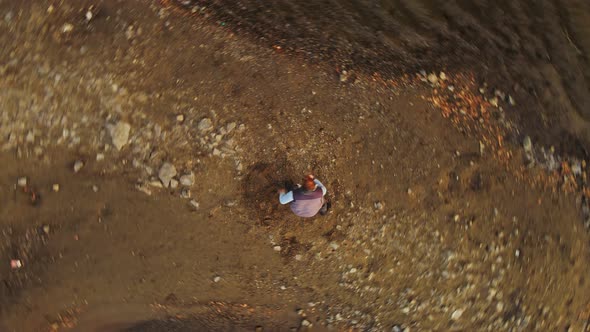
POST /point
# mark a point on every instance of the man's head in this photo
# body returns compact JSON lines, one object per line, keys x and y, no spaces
{"x":308,"y":183}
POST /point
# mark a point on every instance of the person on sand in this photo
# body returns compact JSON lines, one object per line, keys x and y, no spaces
{"x":307,"y":200}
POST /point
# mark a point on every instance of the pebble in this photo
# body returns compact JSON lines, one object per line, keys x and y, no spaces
{"x":305,"y":323}
{"x":276,"y":248}
{"x":494,"y":101}
{"x":173,"y":183}
{"x":187,"y":180}
{"x":185,"y":193}
{"x":194,"y":204}
{"x":511,"y":100}
{"x":78,"y":166}
{"x":432,"y":78}
{"x":95,"y":188}
{"x":99,"y":156}
{"x":378,"y":205}
{"x":16,"y":264}
{"x":343,"y":76}
{"x":166,"y":173}
{"x":442,"y":76}
{"x":457,"y":314}
{"x":527,"y":144}
{"x":67,"y":27}
{"x":216,"y":279}
{"x":30,"y":137}
{"x":119,"y":134}
{"x":55,"y":187}
{"x":22,"y":181}
{"x":180,"y":118}
{"x":216,"y":152}
{"x":396,"y":328}
{"x":298,"y":257}
{"x":46,"y":229}
{"x":230,"y":127}
{"x":205,"y":125}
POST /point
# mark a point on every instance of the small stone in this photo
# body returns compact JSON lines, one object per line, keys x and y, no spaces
{"x":216,"y":279}
{"x":55,"y":187}
{"x":78,"y":166}
{"x":378,"y":205}
{"x":205,"y":125}
{"x":95,"y":188}
{"x":298,"y":257}
{"x":30,"y":137}
{"x":173,"y":183}
{"x":576,"y":168}
{"x":409,"y":191}
{"x":230,"y":127}
{"x":216,"y":152}
{"x":511,"y":100}
{"x":194,"y":204}
{"x":187,"y":180}
{"x":396,"y":328}
{"x":343,"y":76}
{"x":499,"y":307}
{"x":517,"y":253}
{"x":527,"y":144}
{"x":22,"y":181}
{"x":67,"y":27}
{"x":494,"y":101}
{"x":99,"y":156}
{"x":166,"y":173}
{"x":185,"y":193}
{"x":276,"y":248}
{"x":16,"y":264}
{"x":180,"y":118}
{"x":334,"y":245}
{"x":432,"y":78}
{"x":156,"y":184}
{"x":353,"y":270}
{"x":406,"y":310}
{"x":144,"y":189}
{"x":89,"y":16}
{"x":457,"y":314}
{"x":442,"y":76}
{"x":46,"y":229}
{"x":119,"y":134}
{"x":456,"y":218}
{"x":306,"y":323}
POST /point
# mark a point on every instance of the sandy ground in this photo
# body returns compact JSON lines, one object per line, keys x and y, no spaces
{"x":426,"y":231}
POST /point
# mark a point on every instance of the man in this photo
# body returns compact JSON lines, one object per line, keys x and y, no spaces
{"x":307,"y":200}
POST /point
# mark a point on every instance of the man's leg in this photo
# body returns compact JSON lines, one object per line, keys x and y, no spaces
{"x":324,"y":209}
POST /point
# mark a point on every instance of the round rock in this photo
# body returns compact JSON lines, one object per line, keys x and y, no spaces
{"x":119,"y":134}
{"x":166,"y":173}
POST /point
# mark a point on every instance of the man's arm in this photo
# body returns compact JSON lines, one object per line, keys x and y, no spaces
{"x":284,"y":197}
{"x":319,"y":184}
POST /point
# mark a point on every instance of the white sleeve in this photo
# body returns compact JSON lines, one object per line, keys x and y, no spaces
{"x":324,"y":190}
{"x":286,"y":197}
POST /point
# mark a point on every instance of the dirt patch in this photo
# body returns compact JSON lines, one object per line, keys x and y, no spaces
{"x":426,"y":232}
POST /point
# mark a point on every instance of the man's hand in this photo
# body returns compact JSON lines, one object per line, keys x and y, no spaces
{"x":282,"y":191}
